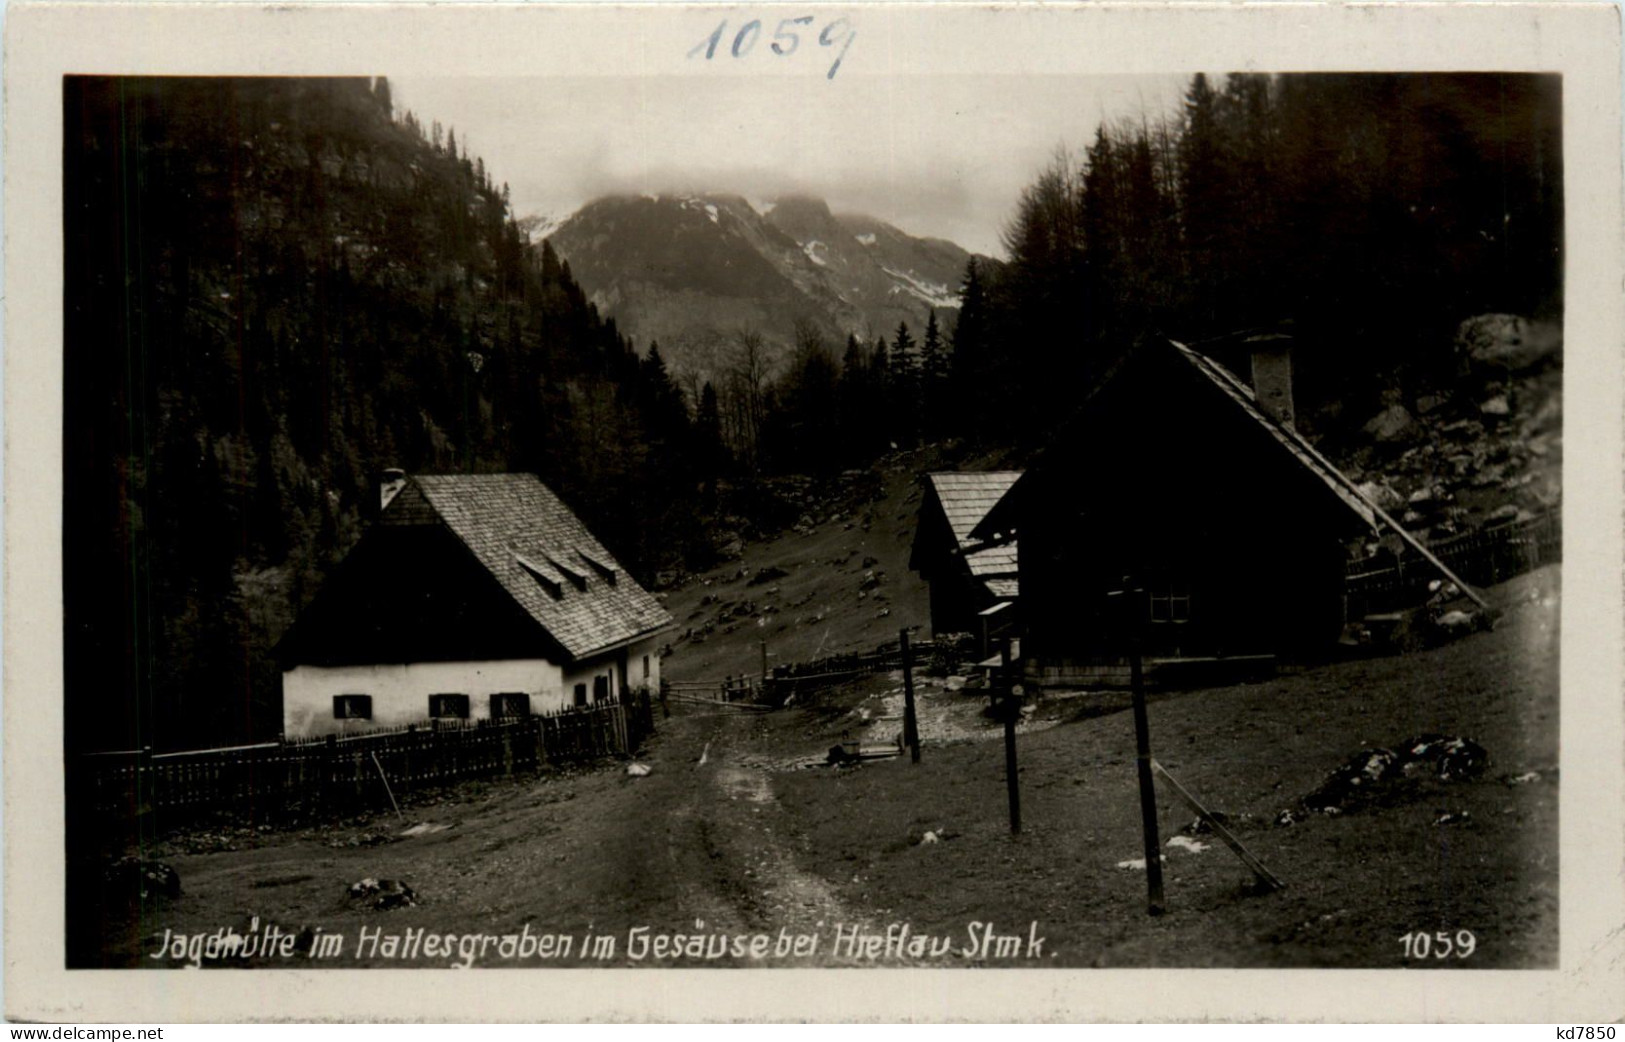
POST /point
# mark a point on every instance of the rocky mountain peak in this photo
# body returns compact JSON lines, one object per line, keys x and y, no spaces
{"x":694,"y":270}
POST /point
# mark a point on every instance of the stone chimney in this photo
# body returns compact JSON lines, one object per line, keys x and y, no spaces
{"x":1272,"y":375}
{"x":389,"y":485}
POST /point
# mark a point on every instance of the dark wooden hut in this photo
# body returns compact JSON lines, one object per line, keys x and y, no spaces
{"x":1178,"y":474}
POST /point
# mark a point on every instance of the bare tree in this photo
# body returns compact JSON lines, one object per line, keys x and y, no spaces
{"x":745,"y":400}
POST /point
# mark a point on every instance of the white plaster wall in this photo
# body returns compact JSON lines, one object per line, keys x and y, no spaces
{"x":634,"y":663}
{"x":584,"y":671}
{"x":400,"y":692}
{"x":631,"y":657}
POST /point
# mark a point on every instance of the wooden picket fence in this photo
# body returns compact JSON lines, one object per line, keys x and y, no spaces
{"x":1483,"y":557}
{"x":345,"y":774}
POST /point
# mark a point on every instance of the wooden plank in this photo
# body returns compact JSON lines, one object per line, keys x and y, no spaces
{"x":1219,"y":830}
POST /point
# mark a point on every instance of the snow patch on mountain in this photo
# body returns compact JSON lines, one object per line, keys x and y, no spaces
{"x":866,"y":239}
{"x":934,"y":293}
{"x":811,"y":248}
{"x":539,"y":226}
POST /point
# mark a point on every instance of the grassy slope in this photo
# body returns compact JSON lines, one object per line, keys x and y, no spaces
{"x":1356,"y":882}
{"x":814,"y":609}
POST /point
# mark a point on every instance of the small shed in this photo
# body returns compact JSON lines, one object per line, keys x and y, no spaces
{"x":974,"y":588}
{"x":472,"y":596}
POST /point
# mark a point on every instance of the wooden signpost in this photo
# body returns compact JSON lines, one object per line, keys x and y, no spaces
{"x":1010,"y":708}
{"x":911,"y":723}
{"x":1134,"y":599}
{"x":1135,"y":608}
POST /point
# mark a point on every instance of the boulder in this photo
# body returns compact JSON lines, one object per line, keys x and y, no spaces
{"x":1382,"y":494}
{"x":1509,"y":343}
{"x":136,"y":877}
{"x":1448,"y":757}
{"x":1390,"y":424}
{"x":383,"y":894}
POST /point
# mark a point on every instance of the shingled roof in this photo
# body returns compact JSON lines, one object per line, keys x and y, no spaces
{"x":966,"y":498}
{"x":542,"y":555}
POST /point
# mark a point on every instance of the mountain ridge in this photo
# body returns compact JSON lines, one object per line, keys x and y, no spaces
{"x":693,"y":270}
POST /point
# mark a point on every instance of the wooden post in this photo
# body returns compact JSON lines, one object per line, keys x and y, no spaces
{"x":761,"y":685}
{"x":1142,"y":750}
{"x":911,"y":723}
{"x":146,"y":798}
{"x":1011,"y":710}
{"x":330,"y":756}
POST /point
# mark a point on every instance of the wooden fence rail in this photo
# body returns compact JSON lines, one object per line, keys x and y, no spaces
{"x":832,"y":670}
{"x":1483,"y":557}
{"x":340,"y":775}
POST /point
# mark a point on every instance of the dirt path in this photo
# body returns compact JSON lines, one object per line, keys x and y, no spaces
{"x":731,"y":844}
{"x":690,"y":848}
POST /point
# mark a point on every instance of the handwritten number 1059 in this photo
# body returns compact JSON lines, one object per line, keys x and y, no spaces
{"x":785,"y":39}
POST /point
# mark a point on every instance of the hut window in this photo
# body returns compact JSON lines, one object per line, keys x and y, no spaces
{"x":352,"y":707}
{"x":646,"y":667}
{"x":1169,"y":601}
{"x":600,"y":688}
{"x":581,"y":694}
{"x":509,"y":705}
{"x":448,"y":707}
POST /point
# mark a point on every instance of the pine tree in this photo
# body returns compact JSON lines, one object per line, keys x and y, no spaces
{"x":855,"y":405}
{"x":1204,"y":188}
{"x":975,"y":377}
{"x":904,"y":387}
{"x":934,"y":404}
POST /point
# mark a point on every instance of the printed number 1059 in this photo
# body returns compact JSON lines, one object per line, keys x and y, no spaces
{"x":1440,"y":945}
{"x":784,"y":42}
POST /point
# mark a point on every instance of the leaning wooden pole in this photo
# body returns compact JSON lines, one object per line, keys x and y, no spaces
{"x":387,"y":789}
{"x":1264,"y":875}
